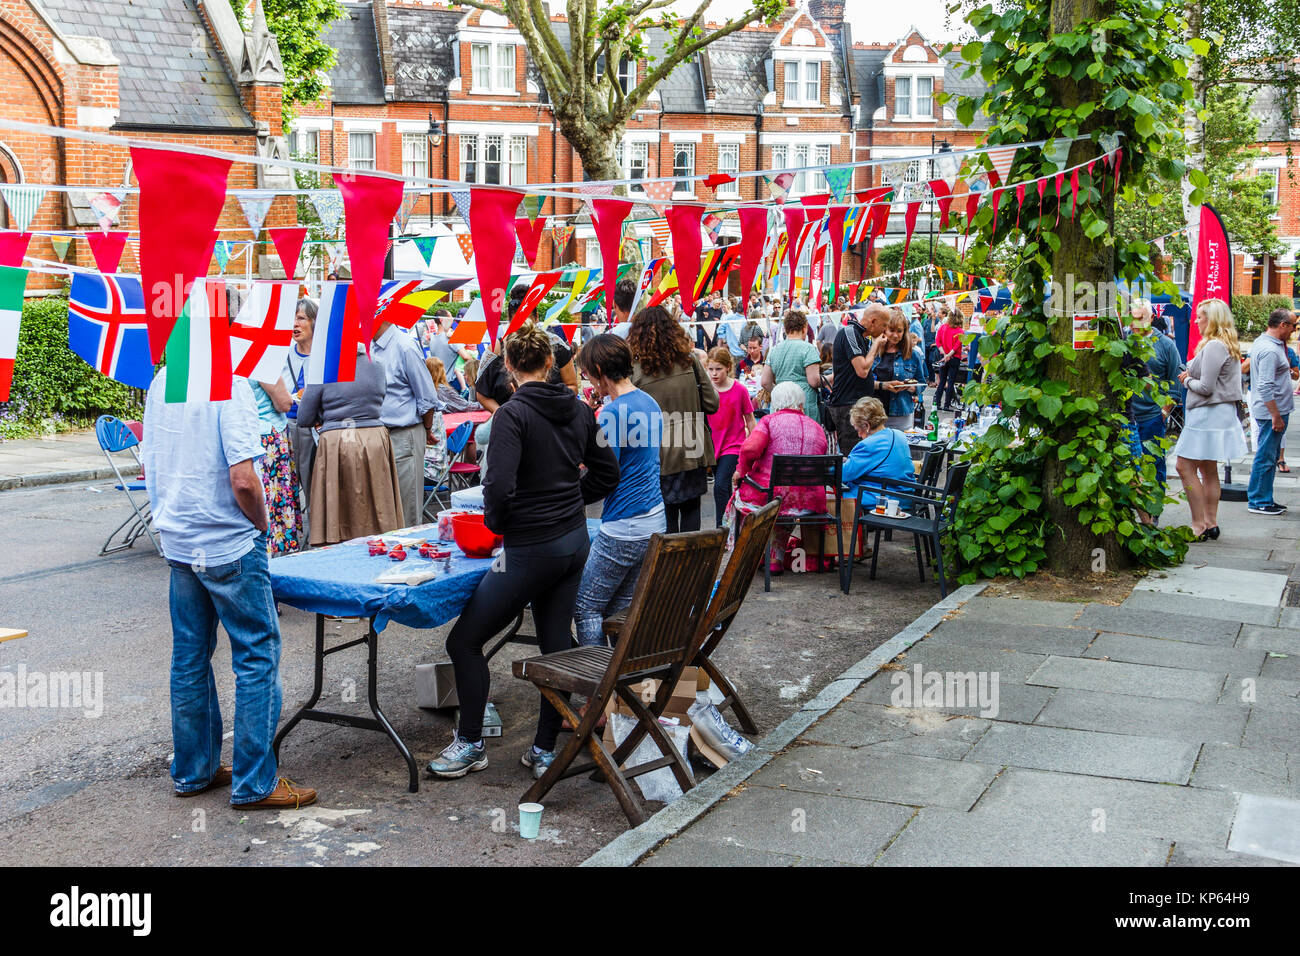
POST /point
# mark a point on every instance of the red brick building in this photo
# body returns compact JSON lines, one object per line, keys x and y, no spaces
{"x":797,"y":93}
{"x":170,"y":71}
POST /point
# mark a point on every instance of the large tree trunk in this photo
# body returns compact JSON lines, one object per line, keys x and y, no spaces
{"x":595,"y":146}
{"x":1072,"y":546}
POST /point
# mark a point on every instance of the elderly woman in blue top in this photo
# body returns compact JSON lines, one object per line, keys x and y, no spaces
{"x":632,"y":425}
{"x":899,"y":373}
{"x":881,"y":455}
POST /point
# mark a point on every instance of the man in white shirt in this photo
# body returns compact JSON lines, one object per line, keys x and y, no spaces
{"x":200,"y":462}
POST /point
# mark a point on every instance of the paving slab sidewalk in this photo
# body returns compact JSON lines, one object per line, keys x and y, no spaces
{"x":1161,"y":732}
{"x":58,"y":459}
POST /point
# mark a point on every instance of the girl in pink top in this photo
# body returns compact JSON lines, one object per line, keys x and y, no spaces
{"x":786,"y":431}
{"x":948,"y":339}
{"x":730,"y":424}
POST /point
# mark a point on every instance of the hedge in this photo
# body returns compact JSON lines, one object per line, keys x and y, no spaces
{"x":1251,"y":312}
{"x":53,"y":389}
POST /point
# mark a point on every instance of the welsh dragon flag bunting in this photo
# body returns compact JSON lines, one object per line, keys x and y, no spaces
{"x":12,"y":283}
{"x":198,"y":350}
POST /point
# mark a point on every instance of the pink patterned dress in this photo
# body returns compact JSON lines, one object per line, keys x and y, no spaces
{"x":787,"y":432}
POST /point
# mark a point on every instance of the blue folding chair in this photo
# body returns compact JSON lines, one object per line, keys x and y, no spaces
{"x":436,"y":485}
{"x":115,"y":437}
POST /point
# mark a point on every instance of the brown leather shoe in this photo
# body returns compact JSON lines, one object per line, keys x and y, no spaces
{"x":286,"y":795}
{"x":221,"y":778}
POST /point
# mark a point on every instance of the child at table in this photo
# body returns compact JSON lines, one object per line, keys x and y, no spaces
{"x":730,"y":425}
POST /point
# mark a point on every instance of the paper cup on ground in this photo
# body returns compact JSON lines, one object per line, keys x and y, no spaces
{"x":530,"y":820}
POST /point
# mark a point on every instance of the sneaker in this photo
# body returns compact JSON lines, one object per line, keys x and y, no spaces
{"x":1270,"y":510}
{"x":539,"y":763}
{"x":458,"y":759}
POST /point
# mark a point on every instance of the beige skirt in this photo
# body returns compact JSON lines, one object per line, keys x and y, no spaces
{"x":354,"y":489}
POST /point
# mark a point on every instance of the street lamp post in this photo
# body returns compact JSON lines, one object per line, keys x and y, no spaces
{"x":434,"y":137}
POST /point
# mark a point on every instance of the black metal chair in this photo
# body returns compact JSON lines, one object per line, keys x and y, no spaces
{"x":932,"y":510}
{"x":804,"y":471}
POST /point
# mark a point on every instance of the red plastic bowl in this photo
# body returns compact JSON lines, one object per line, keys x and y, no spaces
{"x":473,"y":537}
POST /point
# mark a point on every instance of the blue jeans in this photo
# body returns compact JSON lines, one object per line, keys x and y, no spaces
{"x":1149,"y":432}
{"x":608,"y":581}
{"x":1260,"y":490}
{"x":238,"y":595}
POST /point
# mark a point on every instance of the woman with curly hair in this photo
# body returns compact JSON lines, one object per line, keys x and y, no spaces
{"x":667,"y":370}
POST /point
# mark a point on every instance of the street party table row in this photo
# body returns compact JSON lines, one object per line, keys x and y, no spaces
{"x":340,"y":581}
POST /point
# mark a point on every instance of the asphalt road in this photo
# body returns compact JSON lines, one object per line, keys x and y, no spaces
{"x":77,"y":789}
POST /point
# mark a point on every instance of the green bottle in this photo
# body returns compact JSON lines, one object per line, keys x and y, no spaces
{"x":934,"y":425}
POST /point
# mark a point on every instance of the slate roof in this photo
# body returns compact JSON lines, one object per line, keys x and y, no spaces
{"x":869,"y":76}
{"x":422,"y":51}
{"x":739,"y":75}
{"x":171,"y":72}
{"x":357,"y":78}
{"x":955,"y":83}
{"x":1266,"y":106}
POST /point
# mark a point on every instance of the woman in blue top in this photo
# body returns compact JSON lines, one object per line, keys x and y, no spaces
{"x":883,"y":453}
{"x":899,"y":373}
{"x":631,"y":424}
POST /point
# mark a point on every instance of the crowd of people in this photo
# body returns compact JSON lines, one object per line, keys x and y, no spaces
{"x":639,"y":420}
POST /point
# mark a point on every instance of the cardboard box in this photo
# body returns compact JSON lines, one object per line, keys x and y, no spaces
{"x":692,"y":680}
{"x":435,"y":685}
{"x":846,"y":522}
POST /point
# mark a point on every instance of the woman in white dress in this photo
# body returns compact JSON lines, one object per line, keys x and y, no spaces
{"x":1213,"y":432}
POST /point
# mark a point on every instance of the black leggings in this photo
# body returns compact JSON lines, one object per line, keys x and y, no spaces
{"x":722,"y":473}
{"x":546,"y":575}
{"x":946,"y":393}
{"x":684,"y":516}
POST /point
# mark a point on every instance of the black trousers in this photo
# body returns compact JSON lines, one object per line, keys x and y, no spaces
{"x":545,"y":575}
{"x":946,"y":393}
{"x":722,"y":472}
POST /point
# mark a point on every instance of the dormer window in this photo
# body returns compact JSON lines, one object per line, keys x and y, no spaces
{"x":626,"y":72}
{"x":492,"y":67}
{"x":914,"y":97}
{"x":803,"y":82}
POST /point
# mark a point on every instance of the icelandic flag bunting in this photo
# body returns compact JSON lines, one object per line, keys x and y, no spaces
{"x":107,"y":329}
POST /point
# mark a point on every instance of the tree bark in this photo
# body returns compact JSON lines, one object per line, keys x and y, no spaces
{"x":1072,"y":546}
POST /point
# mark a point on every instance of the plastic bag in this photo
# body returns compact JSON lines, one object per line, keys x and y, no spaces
{"x":658,"y":784}
{"x":714,"y":729}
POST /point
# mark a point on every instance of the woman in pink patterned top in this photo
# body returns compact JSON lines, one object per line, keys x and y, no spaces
{"x":786,"y":431}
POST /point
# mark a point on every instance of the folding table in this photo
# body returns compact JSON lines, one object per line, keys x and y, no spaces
{"x":339,"y":581}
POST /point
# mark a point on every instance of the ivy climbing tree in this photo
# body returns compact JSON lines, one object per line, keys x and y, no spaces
{"x":1063,"y":489}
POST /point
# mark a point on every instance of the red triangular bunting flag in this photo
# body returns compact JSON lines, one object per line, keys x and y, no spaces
{"x":607,"y":220}
{"x":491,"y":217}
{"x":369,"y":205}
{"x":909,"y":223}
{"x":107,"y":248}
{"x":943,"y":196}
{"x":175,"y":249}
{"x":794,"y":222}
{"x":543,"y":283}
{"x":684,"y":222}
{"x":13,"y":246}
{"x":1020,"y":201}
{"x":835,"y":224}
{"x":530,"y":236}
{"x":1119,"y":158}
{"x":972,"y":207}
{"x":815,"y":206}
{"x":753,"y":239}
{"x":1074,"y":194}
{"x":288,"y":242}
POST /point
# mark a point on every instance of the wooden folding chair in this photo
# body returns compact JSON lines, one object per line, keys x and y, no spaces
{"x":750,"y":549}
{"x":666,"y":621}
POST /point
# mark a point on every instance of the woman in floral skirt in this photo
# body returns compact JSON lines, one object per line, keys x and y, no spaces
{"x":279,"y":475}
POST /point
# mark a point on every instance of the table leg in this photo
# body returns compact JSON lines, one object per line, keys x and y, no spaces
{"x":380,"y":722}
{"x":505,"y":638}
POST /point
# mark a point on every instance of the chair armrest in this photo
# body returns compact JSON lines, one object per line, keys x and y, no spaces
{"x":754,"y":484}
{"x":614,"y":623}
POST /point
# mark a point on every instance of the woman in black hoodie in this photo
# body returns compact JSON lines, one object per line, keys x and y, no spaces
{"x":535,"y":497}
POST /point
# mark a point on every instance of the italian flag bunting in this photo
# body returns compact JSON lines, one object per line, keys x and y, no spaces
{"x":12,"y":283}
{"x":198,"y":350}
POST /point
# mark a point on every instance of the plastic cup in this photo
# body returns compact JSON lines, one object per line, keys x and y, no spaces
{"x":530,"y":820}
{"x":891,"y":507}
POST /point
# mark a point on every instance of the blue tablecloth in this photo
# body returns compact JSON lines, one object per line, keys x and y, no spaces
{"x":340,"y":580}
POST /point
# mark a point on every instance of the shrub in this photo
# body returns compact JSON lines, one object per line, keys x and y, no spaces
{"x":1251,"y":312}
{"x":53,"y":389}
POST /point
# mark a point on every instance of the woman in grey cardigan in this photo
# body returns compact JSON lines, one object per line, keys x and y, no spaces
{"x":1213,"y":431}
